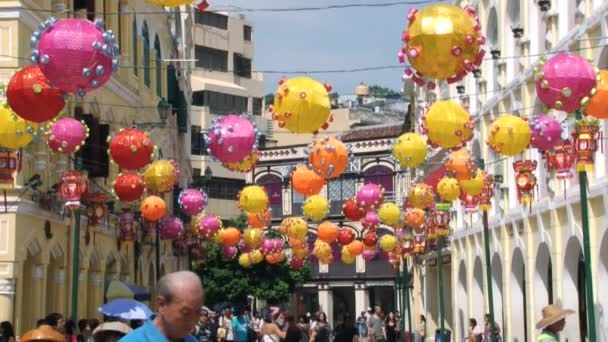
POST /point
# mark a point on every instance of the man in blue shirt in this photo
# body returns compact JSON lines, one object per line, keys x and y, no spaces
{"x":179,"y":302}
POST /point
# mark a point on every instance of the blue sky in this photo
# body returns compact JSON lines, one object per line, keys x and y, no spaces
{"x":332,"y":39}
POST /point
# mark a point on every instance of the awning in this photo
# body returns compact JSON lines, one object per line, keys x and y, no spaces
{"x":434,"y":178}
{"x":203,"y":83}
{"x":116,"y":289}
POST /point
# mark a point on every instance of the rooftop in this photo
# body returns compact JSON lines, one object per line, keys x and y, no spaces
{"x":372,"y":132}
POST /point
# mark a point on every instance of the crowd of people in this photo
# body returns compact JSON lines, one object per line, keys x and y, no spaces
{"x":181,"y":316}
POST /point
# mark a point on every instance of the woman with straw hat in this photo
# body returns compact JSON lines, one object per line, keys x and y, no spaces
{"x":552,"y":322}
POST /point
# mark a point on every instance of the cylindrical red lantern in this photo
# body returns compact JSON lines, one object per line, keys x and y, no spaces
{"x":487,"y":192}
{"x":73,"y":185}
{"x":10,"y":164}
{"x":441,"y":222}
{"x":469,"y":203}
{"x":126,"y":222}
{"x":585,"y":143}
{"x":96,"y":208}
{"x":561,"y":159}
{"x":419,"y":244}
{"x":525,"y":181}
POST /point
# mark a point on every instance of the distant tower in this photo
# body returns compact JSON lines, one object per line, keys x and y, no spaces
{"x":362,"y":91}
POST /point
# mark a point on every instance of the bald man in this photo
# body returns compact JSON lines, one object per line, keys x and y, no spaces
{"x":179,"y":302}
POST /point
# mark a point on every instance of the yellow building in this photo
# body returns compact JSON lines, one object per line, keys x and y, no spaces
{"x":536,"y":254}
{"x":35,"y":231}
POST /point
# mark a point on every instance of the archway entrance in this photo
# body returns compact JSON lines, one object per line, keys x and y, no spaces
{"x":543,"y":286}
{"x":574,"y":292}
{"x":477,"y":311}
{"x":463,"y":305}
{"x":497,"y":289}
{"x":519,"y":319}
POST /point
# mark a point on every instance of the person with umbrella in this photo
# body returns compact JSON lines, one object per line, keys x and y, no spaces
{"x":179,"y":302}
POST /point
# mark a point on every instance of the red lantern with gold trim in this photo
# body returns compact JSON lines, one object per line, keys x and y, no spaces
{"x":525,"y":180}
{"x":561,"y":159}
{"x":129,"y":186}
{"x":73,"y":185}
{"x":419,"y":244}
{"x":585,"y":143}
{"x":487,"y":192}
{"x":96,"y":208}
{"x":470,"y":203}
{"x":441,"y":221}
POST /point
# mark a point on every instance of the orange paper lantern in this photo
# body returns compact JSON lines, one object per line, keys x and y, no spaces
{"x":306,"y":182}
{"x":153,"y":208}
{"x":598,"y":106}
{"x":230,"y":236}
{"x":355,"y":248}
{"x":327,"y":232}
{"x":328,"y":157}
{"x":261,"y":220}
{"x":460,"y":165}
{"x":414,"y":218}
{"x":275,"y":258}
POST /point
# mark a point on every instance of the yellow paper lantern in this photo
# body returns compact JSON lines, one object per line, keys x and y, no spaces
{"x":448,"y":189}
{"x":15,"y":132}
{"x":294,"y":227}
{"x":347,"y":258}
{"x":161,"y":176}
{"x":256,"y":256}
{"x":447,"y":125}
{"x":253,"y":237}
{"x":301,"y":105}
{"x":245,"y":260}
{"x":388,"y":243}
{"x":316,"y":208}
{"x":473,"y":186}
{"x":390,"y":214}
{"x":253,"y":199}
{"x":421,"y":196}
{"x":410,"y":150}
{"x":170,"y":3}
{"x":509,"y":135}
{"x":443,"y":42}
{"x":299,"y":253}
{"x":322,"y":250}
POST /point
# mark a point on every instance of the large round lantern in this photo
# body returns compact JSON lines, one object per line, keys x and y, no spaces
{"x":414,"y":218}
{"x":301,"y":105}
{"x":371,"y":220}
{"x":597,"y":105}
{"x":447,"y":125}
{"x":351,"y":210}
{"x":253,"y":199}
{"x":253,"y":237}
{"x":410,"y":150}
{"x":73,"y":185}
{"x":448,"y":189}
{"x":355,"y":247}
{"x":67,"y":135}
{"x":161,"y":176}
{"x":546,"y":132}
{"x":131,"y":149}
{"x":388,"y":243}
{"x":230,"y":236}
{"x":327,"y":231}
{"x":170,"y":228}
{"x":192,"y":201}
{"x":128,"y":186}
{"x":245,"y":165}
{"x":31,"y":97}
{"x":245,"y":260}
{"x":390,"y":214}
{"x":328,"y":157}
{"x":345,"y":236}
{"x":316,"y":208}
{"x":260,"y":220}
{"x":421,"y":196}
{"x":347,"y":258}
{"x":370,"y":196}
{"x":565,"y":82}
{"x":306,"y":182}
{"x":232,"y":138}
{"x":474,"y":185}
{"x":442,"y":42}
{"x":208,"y":226}
{"x":509,"y":135}
{"x":15,"y":132}
{"x":370,"y":238}
{"x":295,"y":227}
{"x":74,"y":54}
{"x":153,"y":208}
{"x":460,"y":165}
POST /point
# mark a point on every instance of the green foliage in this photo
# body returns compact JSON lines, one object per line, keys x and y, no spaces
{"x":239,"y":222}
{"x":226,"y":280}
{"x":269,"y":99}
{"x":382,"y":92}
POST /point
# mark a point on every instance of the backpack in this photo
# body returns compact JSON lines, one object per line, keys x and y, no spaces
{"x":322,"y":334}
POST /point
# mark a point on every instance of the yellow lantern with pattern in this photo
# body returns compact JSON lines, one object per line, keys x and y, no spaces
{"x":390,"y":214}
{"x":447,"y":125}
{"x":316,"y":208}
{"x":253,"y":199}
{"x":474,"y":185}
{"x":253,"y":237}
{"x":15,"y":132}
{"x":448,"y":189}
{"x":388,"y":243}
{"x":410,"y":150}
{"x":161,"y":176}
{"x":509,"y":135}
{"x":421,"y":196}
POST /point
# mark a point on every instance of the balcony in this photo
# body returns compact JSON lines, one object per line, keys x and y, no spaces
{"x":201,"y":116}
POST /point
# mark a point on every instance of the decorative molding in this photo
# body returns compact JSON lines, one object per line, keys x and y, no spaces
{"x":7,"y":287}
{"x":37,"y":272}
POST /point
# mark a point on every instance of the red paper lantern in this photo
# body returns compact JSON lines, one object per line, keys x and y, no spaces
{"x":131,"y":149}
{"x":487,"y":192}
{"x":73,"y":185}
{"x":585,"y":143}
{"x":10,"y":164}
{"x":561,"y":159}
{"x":525,"y":180}
{"x":351,"y":210}
{"x":370,"y":239}
{"x":346,"y":236}
{"x":96,"y":208}
{"x":31,"y":97}
{"x":129,"y":186}
{"x":469,"y":203}
{"x":441,"y":222}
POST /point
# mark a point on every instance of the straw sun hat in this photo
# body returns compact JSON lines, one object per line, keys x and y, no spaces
{"x":118,"y":327}
{"x":552,"y":314}
{"x":43,"y":333}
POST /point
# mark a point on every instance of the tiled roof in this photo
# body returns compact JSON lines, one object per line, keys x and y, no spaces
{"x":373,"y":132}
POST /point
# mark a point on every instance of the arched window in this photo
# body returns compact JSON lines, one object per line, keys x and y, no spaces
{"x":493,"y":29}
{"x":514,"y":13}
{"x":146,"y":63}
{"x":380,"y":175}
{"x":134,"y":45}
{"x":274,"y":188}
{"x":159,"y":82}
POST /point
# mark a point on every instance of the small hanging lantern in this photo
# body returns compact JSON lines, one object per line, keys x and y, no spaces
{"x":585,"y":143}
{"x":561,"y":159}
{"x":73,"y":185}
{"x":469,"y":203}
{"x":408,"y":245}
{"x":10,"y":164}
{"x":419,"y":243}
{"x":487,"y":192}
{"x":525,"y":180}
{"x":126,"y":222}
{"x":431,"y":229}
{"x":96,"y":208}
{"x":441,"y":221}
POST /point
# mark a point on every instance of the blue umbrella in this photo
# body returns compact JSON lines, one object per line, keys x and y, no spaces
{"x":126,"y":309}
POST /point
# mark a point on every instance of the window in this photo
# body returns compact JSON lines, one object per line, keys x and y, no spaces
{"x":219,"y":103}
{"x":157,"y":69}
{"x":134,"y":45}
{"x":146,"y":36}
{"x":247,"y":33}
{"x":242,"y":66}
{"x":88,"y":6}
{"x":256,"y":105}
{"x":221,"y":188}
{"x":338,"y":191}
{"x":211,"y":19}
{"x":383,"y":176}
{"x":297,"y":201}
{"x":93,"y":156}
{"x":211,"y":59}
{"x":274,"y":188}
{"x":197,"y":142}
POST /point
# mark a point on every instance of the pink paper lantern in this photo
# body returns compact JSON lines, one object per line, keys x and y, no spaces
{"x":546,"y":132}
{"x":243,"y":247}
{"x":232,"y":138}
{"x":208,"y":226}
{"x":75,"y":55}
{"x":267,"y":246}
{"x":370,"y":196}
{"x":67,"y":135}
{"x":230,"y":252}
{"x":371,"y":220}
{"x":192,"y":201}
{"x":565,"y":82}
{"x":368,"y":254}
{"x":171,"y":228}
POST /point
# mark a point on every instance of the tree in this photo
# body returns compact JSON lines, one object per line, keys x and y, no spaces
{"x":226,"y":280}
{"x":382,"y":92}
